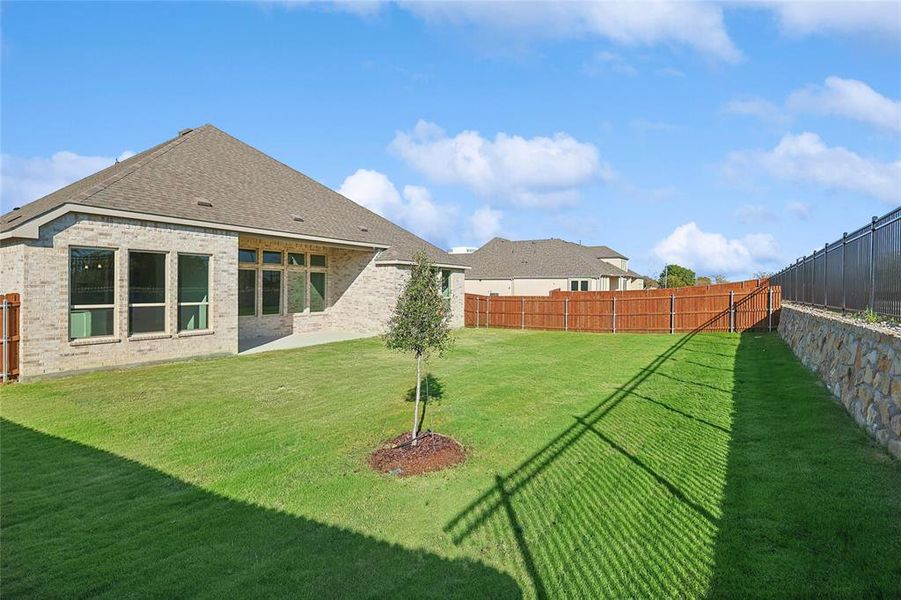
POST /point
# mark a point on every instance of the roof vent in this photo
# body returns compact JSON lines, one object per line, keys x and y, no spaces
{"x":206,"y":203}
{"x":185,"y":131}
{"x":297,"y":218}
{"x":364,"y":229}
{"x":16,"y":207}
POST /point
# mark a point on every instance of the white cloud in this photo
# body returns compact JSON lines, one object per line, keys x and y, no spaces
{"x":540,"y":171}
{"x":869,"y":18}
{"x":801,"y":210}
{"x":25,"y":179}
{"x":849,"y":98}
{"x":804,"y":157}
{"x":485,"y":223}
{"x":415,"y":209}
{"x":759,"y":108}
{"x":693,"y":24}
{"x":696,"y":249}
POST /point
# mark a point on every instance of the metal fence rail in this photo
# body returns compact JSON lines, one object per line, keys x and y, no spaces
{"x":861,"y":270}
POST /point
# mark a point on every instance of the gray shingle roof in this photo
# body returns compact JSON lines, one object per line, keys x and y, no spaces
{"x":505,"y":259}
{"x":245,"y":187}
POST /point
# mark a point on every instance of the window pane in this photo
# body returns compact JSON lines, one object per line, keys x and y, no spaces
{"x":193,"y":317}
{"x":584,"y":286}
{"x":91,"y":276}
{"x":272,"y":258}
{"x":574,"y":286}
{"x":247,"y":292}
{"x":146,"y":277}
{"x":247,"y":256}
{"x":297,"y":291}
{"x":317,"y":260}
{"x":146,"y":319}
{"x":193,"y":278}
{"x":317,"y":291}
{"x":90,"y":322}
{"x":296,"y":259}
{"x":272,"y":292}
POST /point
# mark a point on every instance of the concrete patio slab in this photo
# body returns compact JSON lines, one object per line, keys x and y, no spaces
{"x":296,"y":340}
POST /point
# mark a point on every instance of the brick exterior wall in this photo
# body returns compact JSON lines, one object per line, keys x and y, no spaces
{"x":360,"y":295}
{"x":45,"y":346}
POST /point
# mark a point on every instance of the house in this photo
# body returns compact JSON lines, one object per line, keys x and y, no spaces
{"x":536,"y":267}
{"x":193,"y":247}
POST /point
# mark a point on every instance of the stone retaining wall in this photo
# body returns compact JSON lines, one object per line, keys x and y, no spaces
{"x":860,"y":364}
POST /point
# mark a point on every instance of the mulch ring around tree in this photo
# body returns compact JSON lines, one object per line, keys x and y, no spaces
{"x":432,"y":452}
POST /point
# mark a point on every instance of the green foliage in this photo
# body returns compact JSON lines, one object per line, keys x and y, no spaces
{"x":676,"y":276}
{"x":870,"y":316}
{"x":420,"y":320}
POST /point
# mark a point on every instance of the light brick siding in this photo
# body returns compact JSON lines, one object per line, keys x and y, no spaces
{"x":45,"y":346}
{"x":360,"y":295}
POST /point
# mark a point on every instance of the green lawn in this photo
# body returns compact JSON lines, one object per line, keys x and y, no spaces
{"x":599,"y":466}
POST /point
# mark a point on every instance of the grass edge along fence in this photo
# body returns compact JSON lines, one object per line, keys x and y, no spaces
{"x":730,"y":307}
{"x":860,"y":271}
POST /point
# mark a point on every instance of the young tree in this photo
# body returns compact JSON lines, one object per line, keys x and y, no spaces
{"x":674,"y":276}
{"x":420,"y":321}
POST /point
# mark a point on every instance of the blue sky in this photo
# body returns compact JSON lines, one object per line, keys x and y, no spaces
{"x":728,"y":137}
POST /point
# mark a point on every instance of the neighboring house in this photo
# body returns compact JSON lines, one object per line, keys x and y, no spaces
{"x":536,"y":267}
{"x":193,"y":247}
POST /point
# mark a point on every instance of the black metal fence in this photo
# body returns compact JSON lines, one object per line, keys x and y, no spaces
{"x":861,"y":270}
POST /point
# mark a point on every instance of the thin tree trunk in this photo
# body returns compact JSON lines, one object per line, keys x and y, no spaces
{"x":416,"y":409}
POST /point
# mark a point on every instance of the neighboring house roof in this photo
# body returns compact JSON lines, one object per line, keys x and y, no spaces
{"x":208,"y":176}
{"x":505,"y":259}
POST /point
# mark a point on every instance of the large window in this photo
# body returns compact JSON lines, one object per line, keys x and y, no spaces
{"x":247,"y":292}
{"x":317,"y":291}
{"x":193,"y":292}
{"x":272,"y":292}
{"x":297,"y":291}
{"x":92,"y":292}
{"x":146,"y":292}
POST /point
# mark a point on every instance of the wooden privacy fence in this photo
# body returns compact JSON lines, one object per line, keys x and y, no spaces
{"x":735,"y":307}
{"x":9,"y":336}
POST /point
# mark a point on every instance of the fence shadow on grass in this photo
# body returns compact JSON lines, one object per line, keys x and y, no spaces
{"x":81,"y":522}
{"x":625,"y":502}
{"x":811,"y":508}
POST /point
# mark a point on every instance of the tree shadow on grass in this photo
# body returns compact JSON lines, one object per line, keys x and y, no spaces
{"x":812,"y":507}
{"x":81,"y":522}
{"x":431,"y":390}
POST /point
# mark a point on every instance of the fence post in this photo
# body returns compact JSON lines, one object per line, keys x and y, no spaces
{"x":566,"y":314}
{"x":826,"y":276}
{"x":731,"y":312}
{"x":522,"y":313}
{"x":488,"y":311}
{"x":769,"y":308}
{"x":873,"y":264}
{"x":5,"y":318}
{"x":672,"y":313}
{"x":844,"y":241}
{"x":614,"y":314}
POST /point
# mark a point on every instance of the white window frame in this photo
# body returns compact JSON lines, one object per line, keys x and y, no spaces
{"x":305,"y":269}
{"x":164,"y":303}
{"x":209,"y":287}
{"x":72,"y":307}
{"x":579,"y":282}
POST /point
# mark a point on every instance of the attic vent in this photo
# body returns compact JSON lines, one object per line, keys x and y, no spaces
{"x":364,"y":229}
{"x":185,"y":131}
{"x":14,"y":217}
{"x":297,"y":218}
{"x":206,"y":203}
